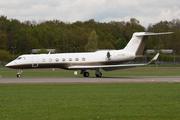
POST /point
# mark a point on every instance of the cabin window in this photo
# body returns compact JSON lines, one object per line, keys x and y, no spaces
{"x":70,"y":59}
{"x":24,"y":58}
{"x":77,"y":59}
{"x":43,"y":60}
{"x":50,"y":60}
{"x":63,"y":59}
{"x":83,"y":59}
{"x":57,"y":60}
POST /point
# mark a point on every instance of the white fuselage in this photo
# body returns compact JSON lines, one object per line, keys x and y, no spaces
{"x":64,"y":60}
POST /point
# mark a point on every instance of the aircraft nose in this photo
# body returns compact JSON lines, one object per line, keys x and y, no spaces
{"x":7,"y":65}
{"x":10,"y":64}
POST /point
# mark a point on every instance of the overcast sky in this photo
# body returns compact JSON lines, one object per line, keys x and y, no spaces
{"x":146,"y":11}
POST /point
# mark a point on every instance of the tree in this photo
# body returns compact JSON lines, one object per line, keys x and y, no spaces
{"x":120,"y":43}
{"x":92,"y":42}
{"x":3,"y":40}
{"x":106,"y":45}
{"x":3,"y":23}
{"x":64,"y":36}
{"x":4,"y":55}
{"x":131,"y":27}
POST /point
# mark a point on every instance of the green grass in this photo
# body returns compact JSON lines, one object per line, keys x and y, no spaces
{"x":90,"y":101}
{"x":140,"y":71}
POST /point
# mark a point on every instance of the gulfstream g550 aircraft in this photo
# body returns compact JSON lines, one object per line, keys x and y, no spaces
{"x":105,"y":59}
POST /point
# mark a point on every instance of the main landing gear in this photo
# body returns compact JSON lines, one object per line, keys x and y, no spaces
{"x":98,"y":73}
{"x":19,"y":73}
{"x":86,"y":74}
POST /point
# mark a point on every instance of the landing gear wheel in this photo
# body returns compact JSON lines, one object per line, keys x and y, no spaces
{"x":18,"y":75}
{"x":86,"y":74}
{"x":99,"y":75}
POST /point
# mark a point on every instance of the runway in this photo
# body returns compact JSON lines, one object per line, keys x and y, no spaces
{"x":90,"y":80}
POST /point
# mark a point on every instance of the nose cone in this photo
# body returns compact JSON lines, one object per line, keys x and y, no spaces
{"x":10,"y":65}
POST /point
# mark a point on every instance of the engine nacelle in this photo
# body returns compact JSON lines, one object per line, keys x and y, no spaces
{"x":119,"y":56}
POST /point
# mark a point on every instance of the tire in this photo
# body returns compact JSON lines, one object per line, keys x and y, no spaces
{"x":99,"y":75}
{"x":18,"y":75}
{"x":86,"y":74}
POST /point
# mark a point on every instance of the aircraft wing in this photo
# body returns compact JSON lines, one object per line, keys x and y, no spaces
{"x":113,"y":67}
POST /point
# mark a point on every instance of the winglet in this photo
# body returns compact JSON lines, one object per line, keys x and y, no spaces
{"x":154,"y":59}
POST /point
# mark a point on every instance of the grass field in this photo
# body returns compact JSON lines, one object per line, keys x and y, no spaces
{"x":140,"y":101}
{"x":91,"y":101}
{"x":140,"y":71}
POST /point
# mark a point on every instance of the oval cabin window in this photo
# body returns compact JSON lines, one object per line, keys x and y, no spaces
{"x":43,"y":60}
{"x":50,"y":60}
{"x":77,"y":59}
{"x":70,"y":59}
{"x":83,"y":59}
{"x":57,"y":60}
{"x":63,"y":59}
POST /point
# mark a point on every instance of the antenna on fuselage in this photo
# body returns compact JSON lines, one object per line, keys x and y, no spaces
{"x":49,"y":52}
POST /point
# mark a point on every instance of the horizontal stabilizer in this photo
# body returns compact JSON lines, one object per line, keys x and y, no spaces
{"x":148,"y":33}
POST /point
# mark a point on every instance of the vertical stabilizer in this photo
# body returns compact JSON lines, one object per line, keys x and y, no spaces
{"x":138,"y":42}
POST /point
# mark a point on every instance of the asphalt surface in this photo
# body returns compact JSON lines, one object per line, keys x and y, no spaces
{"x":90,"y":80}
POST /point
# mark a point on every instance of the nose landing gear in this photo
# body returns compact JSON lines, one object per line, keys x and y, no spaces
{"x":19,"y":73}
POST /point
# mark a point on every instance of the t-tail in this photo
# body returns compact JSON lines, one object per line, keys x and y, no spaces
{"x":138,"y":42}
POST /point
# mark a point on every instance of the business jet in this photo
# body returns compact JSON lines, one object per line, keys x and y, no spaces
{"x":103,"y":59}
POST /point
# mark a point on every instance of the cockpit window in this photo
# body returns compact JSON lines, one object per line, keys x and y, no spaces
{"x":21,"y":58}
{"x":18,"y":58}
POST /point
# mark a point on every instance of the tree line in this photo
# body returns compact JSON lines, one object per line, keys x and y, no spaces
{"x":77,"y":36}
